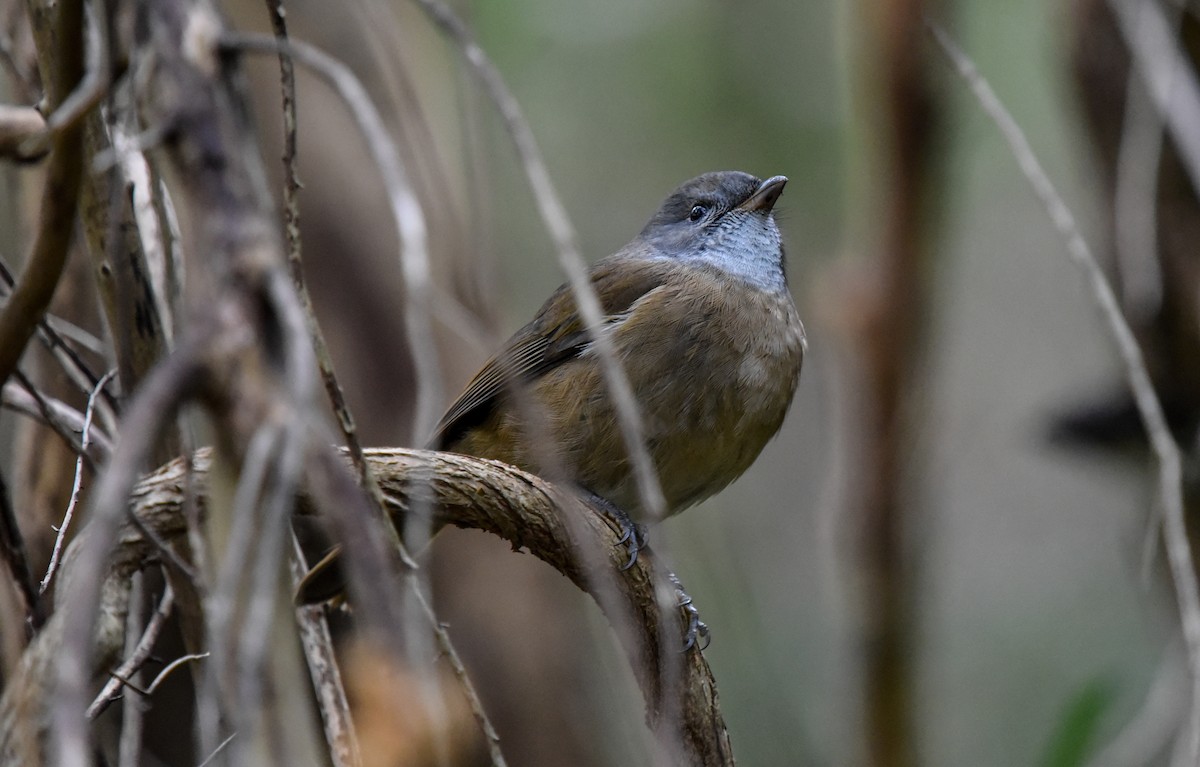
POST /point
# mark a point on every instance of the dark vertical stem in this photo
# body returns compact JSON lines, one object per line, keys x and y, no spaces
{"x":889,"y":344}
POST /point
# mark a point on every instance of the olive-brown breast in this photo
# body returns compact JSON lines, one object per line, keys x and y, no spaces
{"x":713,"y":363}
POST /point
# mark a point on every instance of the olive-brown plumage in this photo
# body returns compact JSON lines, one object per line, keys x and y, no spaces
{"x":699,"y":315}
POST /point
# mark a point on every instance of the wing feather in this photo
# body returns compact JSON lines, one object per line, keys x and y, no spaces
{"x":554,"y":336}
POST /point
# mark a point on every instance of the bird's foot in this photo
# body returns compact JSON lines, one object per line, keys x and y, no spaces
{"x":696,"y":628}
{"x":633,"y":535}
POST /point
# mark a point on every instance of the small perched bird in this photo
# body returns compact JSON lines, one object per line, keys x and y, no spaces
{"x":698,"y":312}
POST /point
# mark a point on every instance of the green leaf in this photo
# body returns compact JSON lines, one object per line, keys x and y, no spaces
{"x":1074,"y":738}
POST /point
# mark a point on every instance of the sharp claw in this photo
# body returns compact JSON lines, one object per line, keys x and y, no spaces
{"x":702,"y":630}
{"x":695,"y":626}
{"x":633,"y":552}
{"x":636,"y":540}
{"x":633,"y":535}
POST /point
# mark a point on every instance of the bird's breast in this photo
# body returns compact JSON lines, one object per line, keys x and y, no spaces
{"x":714,"y":363}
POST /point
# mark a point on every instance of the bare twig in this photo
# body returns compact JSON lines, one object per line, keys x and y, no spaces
{"x":141,"y":653}
{"x":148,"y":198}
{"x":52,"y":331}
{"x":1135,"y":204}
{"x":166,"y":672}
{"x":406,"y":211}
{"x":46,"y":412}
{"x":460,"y":673}
{"x":16,"y":558}
{"x":217,"y":751}
{"x":326,"y":676}
{"x":84,"y":440}
{"x":291,"y":218}
{"x":65,"y":420}
{"x":276,"y":504}
{"x":149,"y":413}
{"x":554,"y":217}
{"x":133,"y":710}
{"x":236,"y":538}
{"x":1166,"y":451}
{"x":562,"y":233}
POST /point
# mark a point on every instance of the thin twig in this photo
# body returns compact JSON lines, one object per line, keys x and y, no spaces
{"x":162,"y":675}
{"x":16,"y":557}
{"x":167,"y":385}
{"x":291,"y":220}
{"x":1170,"y":487}
{"x":406,"y":211}
{"x":146,"y":199}
{"x":48,"y":413}
{"x":66,"y":421}
{"x":235,"y":546}
{"x":76,"y":484}
{"x":460,"y":672}
{"x":140,"y":654}
{"x":52,"y":331}
{"x":326,"y":676}
{"x":275,"y":506}
{"x":558,"y":224}
{"x":216,"y":751}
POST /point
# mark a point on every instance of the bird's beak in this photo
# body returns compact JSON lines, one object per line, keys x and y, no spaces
{"x":765,"y":196}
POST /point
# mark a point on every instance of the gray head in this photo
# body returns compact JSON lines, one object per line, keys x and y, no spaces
{"x":722,"y":219}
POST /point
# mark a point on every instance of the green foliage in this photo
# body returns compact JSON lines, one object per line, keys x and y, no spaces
{"x":1074,"y":738}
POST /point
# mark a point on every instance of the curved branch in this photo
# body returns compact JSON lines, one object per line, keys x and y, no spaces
{"x":60,"y":44}
{"x":526,"y":511}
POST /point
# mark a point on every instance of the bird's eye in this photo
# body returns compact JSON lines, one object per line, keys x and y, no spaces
{"x":698,"y":212}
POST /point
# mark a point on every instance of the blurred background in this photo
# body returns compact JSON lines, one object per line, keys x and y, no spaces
{"x":942,"y":558}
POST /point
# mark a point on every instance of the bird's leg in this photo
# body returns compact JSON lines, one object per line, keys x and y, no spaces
{"x":695,"y":627}
{"x":633,"y":535}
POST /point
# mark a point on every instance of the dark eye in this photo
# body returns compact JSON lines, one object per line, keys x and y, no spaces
{"x":699,"y":211}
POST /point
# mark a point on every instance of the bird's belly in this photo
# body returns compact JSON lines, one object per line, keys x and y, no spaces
{"x":703,"y":427}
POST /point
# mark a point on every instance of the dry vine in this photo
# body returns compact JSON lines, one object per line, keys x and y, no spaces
{"x":468,"y":492}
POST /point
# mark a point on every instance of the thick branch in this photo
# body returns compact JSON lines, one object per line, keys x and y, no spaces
{"x":467,"y":492}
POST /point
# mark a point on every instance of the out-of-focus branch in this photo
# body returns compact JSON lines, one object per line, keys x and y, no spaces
{"x":139,"y":655}
{"x":17,"y":126}
{"x":18,"y":399}
{"x":58,"y":28}
{"x":880,"y":306}
{"x":558,"y":224}
{"x":406,"y":212}
{"x":1169,"y":77}
{"x":325,"y":674}
{"x":467,"y":492}
{"x":16,"y":560}
{"x":291,"y":227}
{"x":1166,"y":451}
{"x":54,"y":332}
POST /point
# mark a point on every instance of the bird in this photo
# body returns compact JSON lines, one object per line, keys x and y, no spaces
{"x":698,"y":313}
